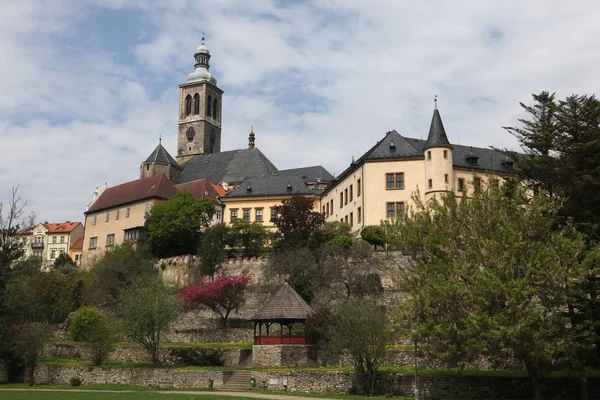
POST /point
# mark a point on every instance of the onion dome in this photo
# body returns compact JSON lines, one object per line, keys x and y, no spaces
{"x":201,"y":73}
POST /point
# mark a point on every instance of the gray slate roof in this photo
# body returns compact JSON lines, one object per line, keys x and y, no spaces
{"x":162,"y":156}
{"x":309,"y":174}
{"x":232,"y":166}
{"x":437,"y":134}
{"x":285,"y":304}
{"x":275,"y":185}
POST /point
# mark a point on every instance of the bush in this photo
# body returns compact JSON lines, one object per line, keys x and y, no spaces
{"x":75,"y":381}
{"x":201,"y":357}
{"x":85,"y":321}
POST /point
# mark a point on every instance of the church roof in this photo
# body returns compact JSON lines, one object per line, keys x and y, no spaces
{"x":285,"y":304}
{"x":156,"y":186}
{"x":271,"y":186}
{"x":161,"y":155}
{"x":309,"y":174}
{"x":232,"y":166}
{"x":437,"y":134}
{"x":200,"y":189}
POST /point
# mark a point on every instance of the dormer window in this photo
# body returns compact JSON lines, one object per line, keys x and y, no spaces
{"x":508,"y":163}
{"x":392,"y":147}
{"x":471,"y":158}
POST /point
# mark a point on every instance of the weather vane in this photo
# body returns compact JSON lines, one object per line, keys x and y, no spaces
{"x":435,"y":100}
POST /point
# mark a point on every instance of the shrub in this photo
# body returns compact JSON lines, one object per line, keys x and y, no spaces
{"x":84,"y":321}
{"x":201,"y":357}
{"x":75,"y":381}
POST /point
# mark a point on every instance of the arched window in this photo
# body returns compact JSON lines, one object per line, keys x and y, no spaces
{"x":208,"y":106}
{"x":196,"y":103}
{"x":188,"y":104}
{"x":215,"y":109}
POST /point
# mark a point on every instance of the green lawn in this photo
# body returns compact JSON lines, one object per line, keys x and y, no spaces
{"x":27,"y":395}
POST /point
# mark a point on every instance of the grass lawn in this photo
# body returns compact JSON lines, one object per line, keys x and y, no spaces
{"x":27,"y":395}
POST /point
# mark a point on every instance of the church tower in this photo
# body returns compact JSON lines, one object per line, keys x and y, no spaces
{"x":439,"y":172}
{"x":199,"y":110}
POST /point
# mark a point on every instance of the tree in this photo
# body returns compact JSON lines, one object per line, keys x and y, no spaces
{"x":490,"y":276}
{"x":224,"y":294}
{"x":328,"y":232}
{"x":361,"y":329}
{"x":300,"y":270}
{"x":251,"y":237}
{"x":147,"y":309}
{"x":212,"y":250}
{"x":374,"y":235}
{"x":115,"y":272}
{"x":29,"y":266}
{"x":27,"y":342}
{"x":65,"y":264}
{"x":296,"y":220}
{"x":174,"y":226}
{"x":92,"y":326}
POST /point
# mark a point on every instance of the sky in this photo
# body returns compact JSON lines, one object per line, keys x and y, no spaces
{"x":88,"y":87}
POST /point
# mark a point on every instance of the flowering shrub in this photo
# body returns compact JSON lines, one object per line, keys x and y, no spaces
{"x":224,"y":294}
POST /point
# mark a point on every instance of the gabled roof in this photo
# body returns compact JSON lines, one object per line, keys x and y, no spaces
{"x":161,"y":155}
{"x":200,"y":189}
{"x":271,"y":186}
{"x":437,"y":134}
{"x":309,"y":174}
{"x":156,"y":186}
{"x":232,"y":166}
{"x":285,"y":304}
{"x":78,"y":245}
{"x":58,"y":227}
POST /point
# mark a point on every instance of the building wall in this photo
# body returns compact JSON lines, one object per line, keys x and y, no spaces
{"x":258,"y":203}
{"x":52,"y":244}
{"x":100,"y":229}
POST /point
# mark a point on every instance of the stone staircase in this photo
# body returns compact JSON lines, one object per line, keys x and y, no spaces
{"x":238,"y":381}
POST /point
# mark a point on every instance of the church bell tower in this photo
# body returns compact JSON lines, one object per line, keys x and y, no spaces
{"x":199,"y":110}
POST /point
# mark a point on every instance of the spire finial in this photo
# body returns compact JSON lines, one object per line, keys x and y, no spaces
{"x":251,"y":128}
{"x":251,"y":137}
{"x":159,"y":139}
{"x":435,"y":100}
{"x":202,"y":37}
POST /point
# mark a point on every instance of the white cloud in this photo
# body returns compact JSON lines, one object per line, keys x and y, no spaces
{"x":320,"y":81}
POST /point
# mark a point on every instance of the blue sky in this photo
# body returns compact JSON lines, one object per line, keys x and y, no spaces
{"x":88,"y":87}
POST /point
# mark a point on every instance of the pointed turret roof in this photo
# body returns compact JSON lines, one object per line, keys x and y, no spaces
{"x":285,"y":304}
{"x":160,"y":155}
{"x":437,"y":134}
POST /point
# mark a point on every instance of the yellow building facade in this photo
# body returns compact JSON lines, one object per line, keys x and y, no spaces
{"x":49,"y":240}
{"x":379,"y":185}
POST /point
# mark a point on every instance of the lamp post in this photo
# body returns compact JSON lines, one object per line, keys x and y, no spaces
{"x":417,"y":394}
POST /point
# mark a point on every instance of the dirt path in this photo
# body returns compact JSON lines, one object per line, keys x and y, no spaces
{"x":172,"y":392}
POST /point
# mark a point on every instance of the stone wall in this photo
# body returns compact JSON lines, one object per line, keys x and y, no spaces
{"x":284,"y":355}
{"x":232,"y":357}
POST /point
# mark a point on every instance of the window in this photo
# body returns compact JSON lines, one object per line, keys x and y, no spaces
{"x":331,"y":206}
{"x":274,"y":213}
{"x":246,"y":215}
{"x":219,"y":215}
{"x":94,"y":220}
{"x":234,"y":215}
{"x":350,"y":192}
{"x":461,"y":184}
{"x":107,"y":217}
{"x":351,"y":220}
{"x":77,"y":257}
{"x":327,"y":209}
{"x":53,"y":254}
{"x":259,"y":215}
{"x":61,"y":251}
{"x":133,"y":234}
{"x":53,"y":239}
{"x":324,"y":210}
{"x":430,"y":183}
{"x":147,"y":167}
{"x":110,"y":240}
{"x":346,"y":196}
{"x":445,"y":154}
{"x":429,"y":155}
{"x":395,"y":210}
{"x":341,"y":200}
{"x":394,"y":180}
{"x":495,"y":182}
{"x":358,"y":188}
{"x":188,"y":104}
{"x":346,"y":219}
{"x":93,"y":242}
{"x":196,"y":104}
{"x":147,"y":210}
{"x":216,"y":109}
{"x":127,"y":212}
{"x":62,"y":239}
{"x":117,"y":214}
{"x":477,"y":184}
{"x":208,"y":106}
{"x":445,"y":178}
{"x":359,"y":215}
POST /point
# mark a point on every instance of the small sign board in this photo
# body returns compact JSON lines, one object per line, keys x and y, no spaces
{"x":273,"y":381}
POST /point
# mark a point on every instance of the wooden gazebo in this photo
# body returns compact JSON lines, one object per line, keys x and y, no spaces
{"x":285,"y":308}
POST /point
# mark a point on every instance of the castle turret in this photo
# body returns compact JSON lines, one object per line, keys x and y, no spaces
{"x":439,"y":175}
{"x":159,"y":162}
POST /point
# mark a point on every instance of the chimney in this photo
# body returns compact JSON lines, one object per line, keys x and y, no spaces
{"x":251,"y":138}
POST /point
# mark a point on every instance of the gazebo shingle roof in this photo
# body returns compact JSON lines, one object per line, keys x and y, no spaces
{"x":285,"y":304}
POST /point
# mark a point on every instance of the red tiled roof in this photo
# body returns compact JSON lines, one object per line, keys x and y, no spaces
{"x":58,"y":227}
{"x":78,"y":245}
{"x":154,"y":186}
{"x":198,"y":189}
{"x":220,"y":189}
